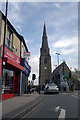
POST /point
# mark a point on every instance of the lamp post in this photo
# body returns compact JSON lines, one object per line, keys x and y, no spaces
{"x":58,"y":57}
{"x":55,"y":66}
{"x":4,"y":37}
{"x":58,"y":69}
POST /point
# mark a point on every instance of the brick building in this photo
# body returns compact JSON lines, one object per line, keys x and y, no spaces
{"x":12,"y":67}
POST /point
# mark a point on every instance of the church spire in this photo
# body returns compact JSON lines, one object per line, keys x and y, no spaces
{"x":44,"y":31}
{"x":44,"y":48}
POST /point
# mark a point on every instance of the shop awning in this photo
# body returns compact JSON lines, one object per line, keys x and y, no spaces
{"x":11,"y":62}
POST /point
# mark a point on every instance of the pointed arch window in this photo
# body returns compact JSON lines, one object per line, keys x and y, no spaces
{"x":45,"y":60}
{"x":45,"y":50}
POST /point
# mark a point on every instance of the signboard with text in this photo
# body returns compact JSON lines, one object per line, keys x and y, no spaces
{"x":27,"y":68}
{"x":10,"y":55}
{"x":65,"y":78}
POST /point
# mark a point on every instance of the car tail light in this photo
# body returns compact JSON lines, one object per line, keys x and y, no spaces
{"x":56,"y":87}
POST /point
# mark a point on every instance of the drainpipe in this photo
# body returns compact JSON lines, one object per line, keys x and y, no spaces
{"x":21,"y":71}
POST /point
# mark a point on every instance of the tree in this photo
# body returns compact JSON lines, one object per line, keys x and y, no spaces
{"x":75,"y":79}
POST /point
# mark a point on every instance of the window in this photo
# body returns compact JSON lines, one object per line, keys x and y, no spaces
{"x":45,"y":60}
{"x":7,"y":81}
{"x":9,"y":39}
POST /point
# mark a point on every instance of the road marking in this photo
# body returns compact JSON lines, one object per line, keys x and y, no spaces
{"x":57,"y":108}
{"x":34,"y":109}
{"x":75,"y":96}
{"x":62,"y":114}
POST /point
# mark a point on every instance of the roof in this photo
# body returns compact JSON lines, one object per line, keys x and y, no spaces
{"x":57,"y":68}
{"x":22,"y":38}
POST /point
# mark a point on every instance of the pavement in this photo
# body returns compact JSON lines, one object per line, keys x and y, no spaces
{"x":17,"y":106}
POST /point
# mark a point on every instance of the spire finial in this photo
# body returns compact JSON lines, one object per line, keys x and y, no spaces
{"x":44,"y":31}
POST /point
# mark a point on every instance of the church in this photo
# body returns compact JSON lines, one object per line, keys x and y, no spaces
{"x":44,"y":61}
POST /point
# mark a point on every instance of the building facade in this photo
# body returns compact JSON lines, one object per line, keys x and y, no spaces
{"x":44,"y":61}
{"x":61,"y":74}
{"x":27,"y":69}
{"x":12,"y":60}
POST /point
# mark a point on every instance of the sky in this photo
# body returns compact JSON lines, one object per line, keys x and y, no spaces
{"x":61,"y":20}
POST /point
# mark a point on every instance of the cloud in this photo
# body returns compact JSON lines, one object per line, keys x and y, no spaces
{"x":67,"y":51}
{"x":14,"y":13}
{"x":27,"y":40}
{"x":66,"y":42}
{"x":19,"y":28}
{"x":41,"y":0}
{"x":34,"y":63}
{"x":57,"y":5}
{"x":71,"y":60}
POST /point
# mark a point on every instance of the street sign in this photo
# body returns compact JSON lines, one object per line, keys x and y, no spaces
{"x":65,"y":78}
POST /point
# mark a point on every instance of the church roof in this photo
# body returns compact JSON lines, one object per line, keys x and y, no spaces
{"x":44,"y":38}
{"x":57,"y":68}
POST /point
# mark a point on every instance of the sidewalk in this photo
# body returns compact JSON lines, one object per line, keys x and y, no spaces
{"x":11,"y":108}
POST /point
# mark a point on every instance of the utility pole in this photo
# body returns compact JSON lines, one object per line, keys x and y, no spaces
{"x":58,"y":57}
{"x":4,"y":37}
{"x":58,"y":69}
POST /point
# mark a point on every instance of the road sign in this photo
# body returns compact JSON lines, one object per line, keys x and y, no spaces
{"x":65,"y":78}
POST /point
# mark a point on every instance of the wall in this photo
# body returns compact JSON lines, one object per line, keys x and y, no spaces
{"x":15,"y":41}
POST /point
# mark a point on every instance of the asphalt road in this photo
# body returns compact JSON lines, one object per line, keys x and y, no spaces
{"x":64,"y":105}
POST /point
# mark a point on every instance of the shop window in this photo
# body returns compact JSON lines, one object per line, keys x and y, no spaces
{"x":9,"y":38}
{"x":7,"y":81}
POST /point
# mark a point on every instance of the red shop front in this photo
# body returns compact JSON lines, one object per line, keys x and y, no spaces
{"x":11,"y":74}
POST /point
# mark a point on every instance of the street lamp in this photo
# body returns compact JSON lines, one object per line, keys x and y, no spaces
{"x":55,"y":66}
{"x":58,"y":68}
{"x":58,"y":57}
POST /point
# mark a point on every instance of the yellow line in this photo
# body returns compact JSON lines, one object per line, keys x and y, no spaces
{"x":33,"y":110}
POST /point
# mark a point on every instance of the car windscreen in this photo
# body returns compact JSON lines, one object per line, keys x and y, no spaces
{"x":51,"y":84}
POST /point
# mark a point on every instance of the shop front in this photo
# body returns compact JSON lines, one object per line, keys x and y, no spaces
{"x":11,"y":74}
{"x":25,"y":75}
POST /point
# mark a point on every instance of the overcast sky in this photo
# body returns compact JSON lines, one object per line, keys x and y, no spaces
{"x":61,"y":19}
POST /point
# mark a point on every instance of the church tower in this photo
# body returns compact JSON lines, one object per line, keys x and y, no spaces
{"x":44,"y":61}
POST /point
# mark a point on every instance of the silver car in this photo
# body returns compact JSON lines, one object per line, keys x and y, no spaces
{"x":51,"y":88}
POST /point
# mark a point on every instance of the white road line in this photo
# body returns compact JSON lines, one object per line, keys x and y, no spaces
{"x":57,"y":108}
{"x":75,"y":96}
{"x":62,"y":114}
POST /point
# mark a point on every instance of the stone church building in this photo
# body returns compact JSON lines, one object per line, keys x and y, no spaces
{"x":59,"y":72}
{"x":44,"y":61}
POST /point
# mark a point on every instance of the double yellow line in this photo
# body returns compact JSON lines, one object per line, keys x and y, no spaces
{"x":34,"y":109}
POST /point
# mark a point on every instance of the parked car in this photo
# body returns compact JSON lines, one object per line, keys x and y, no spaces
{"x":51,"y":88}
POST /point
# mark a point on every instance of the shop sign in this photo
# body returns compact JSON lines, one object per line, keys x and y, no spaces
{"x":27,"y":54}
{"x":27,"y":69}
{"x":10,"y":55}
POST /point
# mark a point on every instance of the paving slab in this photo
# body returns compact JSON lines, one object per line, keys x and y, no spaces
{"x":16,"y":105}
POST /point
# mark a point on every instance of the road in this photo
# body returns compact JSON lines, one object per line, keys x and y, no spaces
{"x":64,"y":105}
